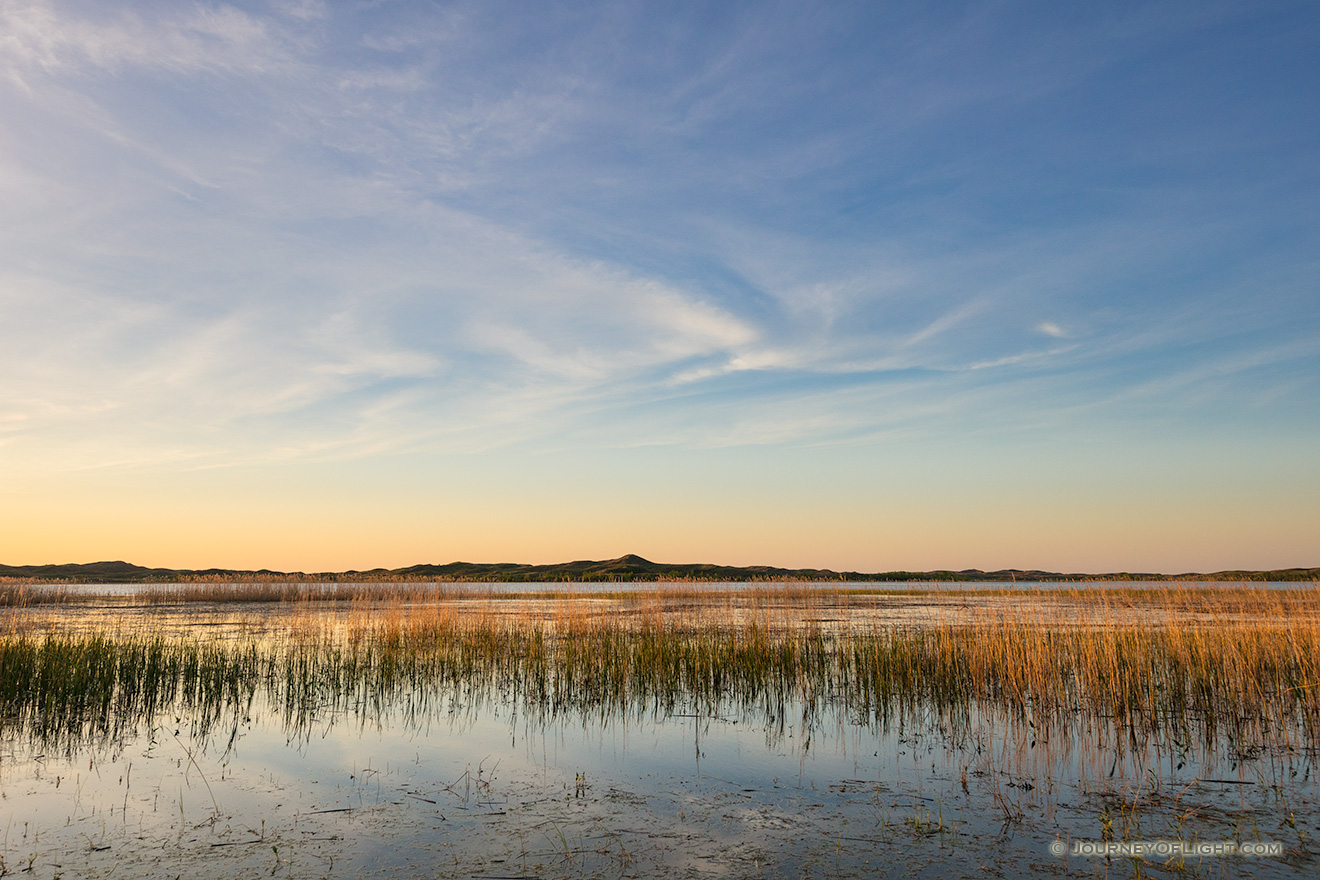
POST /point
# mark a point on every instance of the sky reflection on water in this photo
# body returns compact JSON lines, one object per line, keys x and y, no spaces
{"x":468,"y":790}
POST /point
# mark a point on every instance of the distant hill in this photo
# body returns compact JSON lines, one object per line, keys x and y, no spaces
{"x":625,"y":568}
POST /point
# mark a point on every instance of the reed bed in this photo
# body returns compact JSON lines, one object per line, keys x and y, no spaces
{"x":21,"y":594}
{"x":1238,"y":669}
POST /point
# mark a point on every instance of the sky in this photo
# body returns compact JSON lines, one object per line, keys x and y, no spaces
{"x":868,"y":286}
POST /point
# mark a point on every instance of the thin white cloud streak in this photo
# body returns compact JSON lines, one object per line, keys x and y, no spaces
{"x":1049,"y":328}
{"x":564,"y":333}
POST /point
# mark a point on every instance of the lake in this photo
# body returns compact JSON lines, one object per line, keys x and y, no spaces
{"x":393,"y":739}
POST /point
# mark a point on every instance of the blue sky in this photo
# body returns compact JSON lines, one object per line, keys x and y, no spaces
{"x":1012,"y":267}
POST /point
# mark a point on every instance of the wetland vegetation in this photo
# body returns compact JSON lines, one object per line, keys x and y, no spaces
{"x":1117,"y":706}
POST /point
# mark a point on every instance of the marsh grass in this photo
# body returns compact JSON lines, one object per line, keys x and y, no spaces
{"x":1225,"y":669}
{"x":24,"y":594}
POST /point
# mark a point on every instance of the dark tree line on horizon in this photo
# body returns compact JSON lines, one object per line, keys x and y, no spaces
{"x":624,"y":569}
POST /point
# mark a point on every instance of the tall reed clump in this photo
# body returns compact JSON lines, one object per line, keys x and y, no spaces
{"x":1240,"y":668}
{"x":69,"y":689}
{"x":19,"y":594}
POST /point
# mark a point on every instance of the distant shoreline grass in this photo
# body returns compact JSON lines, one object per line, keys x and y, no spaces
{"x":19,"y":595}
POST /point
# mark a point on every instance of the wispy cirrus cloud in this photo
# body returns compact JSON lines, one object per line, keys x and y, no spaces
{"x":341,"y":231}
{"x":185,"y":40}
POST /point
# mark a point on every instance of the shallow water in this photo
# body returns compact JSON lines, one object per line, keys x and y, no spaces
{"x":491,"y":793}
{"x":459,"y":781}
{"x":466,"y":791}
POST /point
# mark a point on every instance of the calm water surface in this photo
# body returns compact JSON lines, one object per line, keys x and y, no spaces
{"x":471,"y":782}
{"x":473,"y":791}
